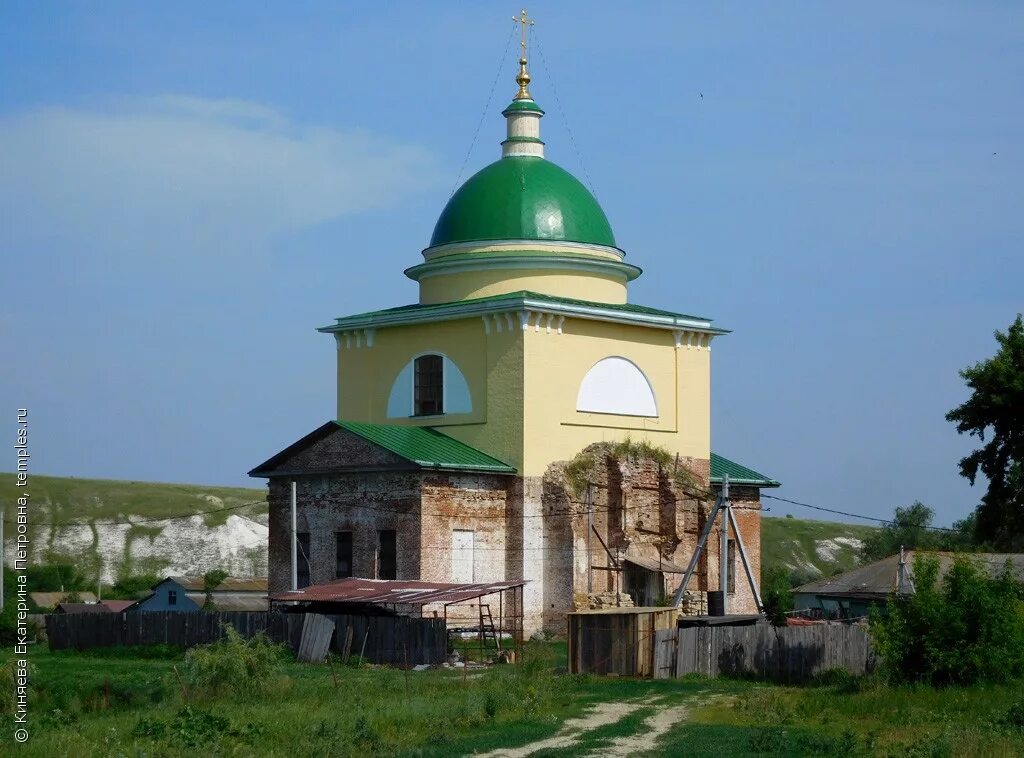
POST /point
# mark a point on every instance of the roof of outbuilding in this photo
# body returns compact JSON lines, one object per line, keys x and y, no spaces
{"x":878,"y":579}
{"x":738,"y":473}
{"x":394,"y":592}
{"x":230,"y":584}
{"x":422,"y":446}
{"x":426,"y":447}
{"x":116,"y":606}
{"x":82,"y":608}
{"x":50,"y":599}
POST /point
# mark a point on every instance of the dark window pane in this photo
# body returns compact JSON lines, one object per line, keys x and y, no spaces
{"x":172,"y":597}
{"x":303,"y":561}
{"x":428,"y":386}
{"x":387,"y":554}
{"x":344,"y":554}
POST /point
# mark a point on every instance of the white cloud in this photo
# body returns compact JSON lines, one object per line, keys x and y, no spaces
{"x":160,"y":177}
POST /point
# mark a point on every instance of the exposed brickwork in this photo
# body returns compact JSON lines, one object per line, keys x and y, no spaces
{"x":640,"y":509}
{"x":534,"y":528}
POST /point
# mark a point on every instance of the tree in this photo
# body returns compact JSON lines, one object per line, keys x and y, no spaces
{"x":910,"y":528}
{"x":961,"y":628}
{"x":132,"y":587}
{"x":776,"y":596}
{"x":212,"y":580}
{"x":995,"y":410}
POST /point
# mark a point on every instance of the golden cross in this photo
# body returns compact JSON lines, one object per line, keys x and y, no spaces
{"x":524,"y":21}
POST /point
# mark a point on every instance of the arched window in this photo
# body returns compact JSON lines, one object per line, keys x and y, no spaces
{"x":429,"y":385}
{"x":616,"y":385}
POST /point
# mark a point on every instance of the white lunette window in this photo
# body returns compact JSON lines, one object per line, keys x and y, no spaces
{"x":615,"y":385}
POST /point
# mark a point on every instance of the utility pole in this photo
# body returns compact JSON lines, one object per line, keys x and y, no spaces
{"x":723,"y":545}
{"x":590,"y":529}
{"x":295,"y":540}
{"x":722,"y":508}
{"x":1,"y":560}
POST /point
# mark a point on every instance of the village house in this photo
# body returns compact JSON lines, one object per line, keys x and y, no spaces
{"x":522,"y":421}
{"x":853,"y":593}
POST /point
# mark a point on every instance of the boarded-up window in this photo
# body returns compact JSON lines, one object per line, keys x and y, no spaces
{"x":428,"y":386}
{"x":462,"y":556}
{"x":387,"y":554}
{"x":343,"y":553}
{"x":303,"y":559}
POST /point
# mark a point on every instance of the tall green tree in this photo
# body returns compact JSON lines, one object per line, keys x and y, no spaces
{"x":910,"y":528}
{"x":994,"y":414}
{"x":212,"y":580}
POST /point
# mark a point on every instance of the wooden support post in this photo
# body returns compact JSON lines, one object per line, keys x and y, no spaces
{"x":678,"y":599}
{"x":746,"y":563}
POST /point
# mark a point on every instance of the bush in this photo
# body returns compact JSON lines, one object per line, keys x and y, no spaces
{"x":778,"y":597}
{"x":967,"y":628}
{"x":233,"y":665}
{"x":132,"y":587}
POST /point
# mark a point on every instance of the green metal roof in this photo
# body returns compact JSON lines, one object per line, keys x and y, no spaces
{"x":522,"y":105}
{"x":738,"y":473}
{"x":522,"y":197}
{"x":426,"y":447}
{"x":516,"y":301}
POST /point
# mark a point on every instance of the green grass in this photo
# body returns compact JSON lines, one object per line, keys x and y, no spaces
{"x":793,"y":544}
{"x":65,"y":499}
{"x":860,"y":717}
{"x":117,"y":703}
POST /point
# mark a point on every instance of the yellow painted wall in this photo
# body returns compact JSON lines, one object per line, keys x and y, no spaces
{"x":491,"y":364}
{"x":555,"y":367}
{"x":445,"y":288}
{"x":524,"y":386}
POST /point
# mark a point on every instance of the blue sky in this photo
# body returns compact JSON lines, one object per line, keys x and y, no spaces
{"x":187,"y":191}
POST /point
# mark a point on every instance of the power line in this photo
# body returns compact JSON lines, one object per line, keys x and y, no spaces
{"x":853,"y":515}
{"x":561,"y":112}
{"x":696,"y":495}
{"x":487,"y":107}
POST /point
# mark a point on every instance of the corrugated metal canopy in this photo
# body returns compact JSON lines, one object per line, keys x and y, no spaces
{"x":653,"y":564}
{"x":393,"y":592}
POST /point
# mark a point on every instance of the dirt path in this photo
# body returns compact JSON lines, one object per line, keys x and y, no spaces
{"x":603,"y":714}
{"x":646,"y":739}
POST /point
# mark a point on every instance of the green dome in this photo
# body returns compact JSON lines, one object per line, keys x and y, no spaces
{"x":523,"y":197}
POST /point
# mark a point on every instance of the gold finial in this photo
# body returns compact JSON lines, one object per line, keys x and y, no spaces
{"x":523,"y":77}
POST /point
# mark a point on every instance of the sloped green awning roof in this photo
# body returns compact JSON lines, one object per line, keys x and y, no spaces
{"x":426,"y":447}
{"x":420,"y":447}
{"x":738,"y":473}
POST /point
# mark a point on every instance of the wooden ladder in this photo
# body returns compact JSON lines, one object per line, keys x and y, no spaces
{"x":487,"y":629}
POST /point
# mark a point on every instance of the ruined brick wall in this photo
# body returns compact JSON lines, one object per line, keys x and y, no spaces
{"x":746,"y":507}
{"x":639,"y":509}
{"x":475,"y":503}
{"x":359,"y":503}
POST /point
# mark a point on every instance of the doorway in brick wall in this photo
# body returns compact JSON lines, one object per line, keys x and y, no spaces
{"x":462,"y":556}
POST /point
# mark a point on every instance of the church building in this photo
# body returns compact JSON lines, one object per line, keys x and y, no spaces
{"x":523,"y":421}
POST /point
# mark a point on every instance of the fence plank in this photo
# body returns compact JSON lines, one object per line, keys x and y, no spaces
{"x":388,"y":638}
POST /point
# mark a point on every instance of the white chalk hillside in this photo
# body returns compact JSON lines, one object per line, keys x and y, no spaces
{"x":183,"y":546}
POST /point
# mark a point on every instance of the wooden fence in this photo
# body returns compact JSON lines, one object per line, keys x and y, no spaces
{"x":785,"y":654}
{"x":395,"y":640}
